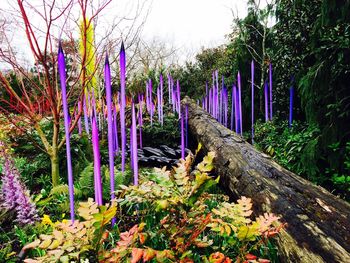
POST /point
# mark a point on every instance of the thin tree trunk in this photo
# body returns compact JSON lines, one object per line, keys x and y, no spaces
{"x":55,"y":173}
{"x":54,"y":157}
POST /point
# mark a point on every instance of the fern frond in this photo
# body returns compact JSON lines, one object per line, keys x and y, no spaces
{"x":59,"y":190}
{"x":86,"y":180}
{"x":63,"y":189}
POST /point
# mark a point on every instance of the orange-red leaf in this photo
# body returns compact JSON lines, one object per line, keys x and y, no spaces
{"x":217,"y":257}
{"x":250,"y":257}
{"x":148,"y":255}
{"x":142,"y":238}
{"x":136,"y":255}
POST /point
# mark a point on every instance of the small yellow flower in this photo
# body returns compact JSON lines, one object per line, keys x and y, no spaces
{"x":46,"y":220}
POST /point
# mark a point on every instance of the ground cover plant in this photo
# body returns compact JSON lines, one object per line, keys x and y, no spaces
{"x":171,"y":216}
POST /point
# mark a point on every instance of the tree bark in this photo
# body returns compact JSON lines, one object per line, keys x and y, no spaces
{"x":55,"y":173}
{"x":318,"y":223}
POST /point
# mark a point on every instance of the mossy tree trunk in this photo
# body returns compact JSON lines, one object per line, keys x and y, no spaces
{"x":318,"y":223}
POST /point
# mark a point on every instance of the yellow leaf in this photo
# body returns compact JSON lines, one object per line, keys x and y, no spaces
{"x":54,"y":244}
{"x":45,"y":244}
{"x":222,"y":230}
{"x":228,"y":230}
{"x":247,"y":233}
{"x":109,"y":214}
{"x":141,"y":226}
{"x":199,"y":148}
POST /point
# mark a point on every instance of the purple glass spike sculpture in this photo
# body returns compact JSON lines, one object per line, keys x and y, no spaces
{"x":111,"y":140}
{"x":122,"y":103}
{"x":158,"y":104}
{"x":147,"y":97}
{"x":270,"y":78}
{"x":131,"y":148}
{"x":186,"y":124}
{"x":266,"y":96}
{"x":97,"y":162}
{"x":235,"y":97}
{"x":93,"y":101}
{"x":291,"y":99}
{"x":161,"y":100}
{"x":173,"y":98}
{"x":150,"y":93}
{"x":206,"y":95}
{"x":115,"y":122}
{"x":182,"y":135}
{"x":62,"y":73}
{"x":217,"y":94}
{"x":210,"y":102}
{"x":226,"y":107}
{"x":252,"y":75}
{"x":213,"y":96}
{"x":140,"y":118}
{"x":134,"y":145}
{"x":232,"y":107}
{"x":240,"y":103}
{"x":221,"y":100}
{"x":178,"y":97}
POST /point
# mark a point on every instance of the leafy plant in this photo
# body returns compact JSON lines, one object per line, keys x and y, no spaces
{"x":341,"y":180}
{"x":127,"y":247}
{"x":293,"y":148}
{"x":297,"y":149}
{"x":71,"y":240}
{"x":178,"y":216}
{"x":169,"y":217}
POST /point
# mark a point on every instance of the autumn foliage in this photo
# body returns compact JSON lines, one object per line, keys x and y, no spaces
{"x":173,"y":217}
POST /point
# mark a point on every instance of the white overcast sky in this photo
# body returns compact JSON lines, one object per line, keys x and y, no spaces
{"x":193,"y":23}
{"x":187,"y":24}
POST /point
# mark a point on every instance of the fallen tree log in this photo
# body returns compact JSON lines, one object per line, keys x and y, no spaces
{"x":318,"y":223}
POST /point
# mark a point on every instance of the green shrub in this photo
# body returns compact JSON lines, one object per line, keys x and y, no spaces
{"x":297,"y":149}
{"x":341,"y":179}
{"x":156,"y":134}
{"x":294,"y":148}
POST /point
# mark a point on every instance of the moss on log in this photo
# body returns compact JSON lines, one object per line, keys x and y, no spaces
{"x":318,"y":223}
